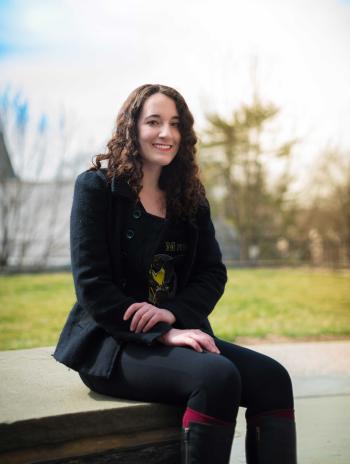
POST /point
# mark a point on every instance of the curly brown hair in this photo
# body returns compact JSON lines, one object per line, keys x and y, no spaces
{"x":179,"y":180}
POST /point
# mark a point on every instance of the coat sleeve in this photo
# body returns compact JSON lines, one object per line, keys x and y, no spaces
{"x":96,"y":291}
{"x":207,"y":279}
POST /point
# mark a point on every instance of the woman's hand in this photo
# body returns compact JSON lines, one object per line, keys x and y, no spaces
{"x":194,"y":338}
{"x":145,"y":316}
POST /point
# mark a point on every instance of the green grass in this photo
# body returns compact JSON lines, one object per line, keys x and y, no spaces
{"x":33,"y":308}
{"x":284,"y":302}
{"x":257,"y":303}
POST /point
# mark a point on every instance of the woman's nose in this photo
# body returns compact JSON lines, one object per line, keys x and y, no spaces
{"x":165,"y":130}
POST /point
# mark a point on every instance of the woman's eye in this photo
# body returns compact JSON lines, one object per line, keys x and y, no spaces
{"x":175,"y":124}
{"x":152,"y":123}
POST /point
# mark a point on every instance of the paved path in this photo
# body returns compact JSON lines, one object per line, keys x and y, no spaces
{"x":320,"y":373}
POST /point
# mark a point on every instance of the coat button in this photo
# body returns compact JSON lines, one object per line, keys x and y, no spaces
{"x":123,"y":283}
{"x":130,"y":233}
{"x":136,"y":214}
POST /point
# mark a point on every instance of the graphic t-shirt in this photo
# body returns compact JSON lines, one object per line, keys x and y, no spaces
{"x":167,"y":264}
{"x":154,"y":249}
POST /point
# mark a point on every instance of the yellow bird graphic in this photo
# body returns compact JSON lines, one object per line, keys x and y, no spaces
{"x":162,"y":279}
{"x":158,"y":276}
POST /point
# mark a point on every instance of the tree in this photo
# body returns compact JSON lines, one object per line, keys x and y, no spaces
{"x":328,"y":210}
{"x":250,"y":202}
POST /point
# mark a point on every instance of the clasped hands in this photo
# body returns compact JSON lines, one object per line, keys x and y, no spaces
{"x":145,"y":316}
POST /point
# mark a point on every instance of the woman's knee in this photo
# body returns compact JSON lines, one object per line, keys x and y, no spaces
{"x":279,"y":376}
{"x":220,"y":377}
{"x":278,"y":384}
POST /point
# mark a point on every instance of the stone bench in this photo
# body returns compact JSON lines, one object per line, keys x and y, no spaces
{"x":49,"y":416}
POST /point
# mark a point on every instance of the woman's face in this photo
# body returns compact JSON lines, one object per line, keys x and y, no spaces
{"x":158,"y":130}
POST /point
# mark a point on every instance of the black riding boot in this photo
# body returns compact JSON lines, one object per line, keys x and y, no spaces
{"x":271,"y":440}
{"x":206,"y":444}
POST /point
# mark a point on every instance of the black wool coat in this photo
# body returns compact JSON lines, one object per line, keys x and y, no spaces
{"x":95,"y":331}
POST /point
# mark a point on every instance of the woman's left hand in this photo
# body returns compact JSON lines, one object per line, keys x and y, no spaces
{"x":145,"y":316}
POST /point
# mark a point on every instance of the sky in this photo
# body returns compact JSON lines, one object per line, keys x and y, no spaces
{"x":81,"y":58}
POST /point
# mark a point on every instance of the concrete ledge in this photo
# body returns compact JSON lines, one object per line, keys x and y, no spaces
{"x":48,"y":415}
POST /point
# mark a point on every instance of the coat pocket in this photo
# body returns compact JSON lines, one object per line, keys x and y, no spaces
{"x":88,"y":348}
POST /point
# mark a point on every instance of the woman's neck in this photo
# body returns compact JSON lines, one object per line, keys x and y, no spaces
{"x":151,"y":196}
{"x":150,"y":180}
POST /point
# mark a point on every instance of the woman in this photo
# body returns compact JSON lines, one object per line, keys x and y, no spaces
{"x":148,"y":271}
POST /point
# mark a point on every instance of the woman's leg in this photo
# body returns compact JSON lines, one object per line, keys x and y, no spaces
{"x":205,"y":382}
{"x":208,"y":384}
{"x":267,"y":394}
{"x":266,"y":384}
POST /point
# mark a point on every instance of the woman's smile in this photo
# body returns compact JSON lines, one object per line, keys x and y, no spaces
{"x":162,"y":147}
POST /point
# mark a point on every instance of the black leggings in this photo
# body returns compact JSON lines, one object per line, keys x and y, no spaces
{"x":213,"y":384}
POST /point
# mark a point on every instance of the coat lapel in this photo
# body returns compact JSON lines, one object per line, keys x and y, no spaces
{"x":122,"y":195}
{"x":192,"y":237}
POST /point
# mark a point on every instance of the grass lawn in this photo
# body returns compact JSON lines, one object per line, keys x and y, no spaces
{"x":295,"y":303}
